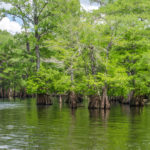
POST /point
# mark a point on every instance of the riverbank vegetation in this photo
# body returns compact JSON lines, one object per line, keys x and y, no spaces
{"x":64,"y":50}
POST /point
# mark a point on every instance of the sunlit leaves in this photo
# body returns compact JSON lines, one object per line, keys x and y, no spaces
{"x":48,"y":81}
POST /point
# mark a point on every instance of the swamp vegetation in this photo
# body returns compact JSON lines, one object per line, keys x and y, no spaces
{"x":64,"y":51}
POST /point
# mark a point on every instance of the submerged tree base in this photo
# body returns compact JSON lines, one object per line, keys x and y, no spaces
{"x":73,"y":100}
{"x":98,"y":102}
{"x":79,"y":98}
{"x":137,"y":101}
{"x":44,"y":99}
{"x":134,"y":101}
{"x":95,"y":102}
{"x":105,"y":102}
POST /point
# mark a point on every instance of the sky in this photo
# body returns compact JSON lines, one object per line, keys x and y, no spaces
{"x":15,"y":27}
{"x":89,"y":6}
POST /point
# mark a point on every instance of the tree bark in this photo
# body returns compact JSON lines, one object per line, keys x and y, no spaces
{"x":5,"y":93}
{"x":73,"y":100}
{"x":105,"y":102}
{"x":37,"y":57}
{"x":43,"y":99}
{"x":1,"y":92}
{"x":10,"y":93}
{"x":60,"y":99}
{"x":93,"y":60}
{"x":28,"y":46}
{"x":37,"y":36}
{"x":95,"y":102}
{"x":137,"y":101}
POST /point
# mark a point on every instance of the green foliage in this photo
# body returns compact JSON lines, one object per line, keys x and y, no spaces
{"x":79,"y":51}
{"x":48,"y":81}
{"x":14,"y":62}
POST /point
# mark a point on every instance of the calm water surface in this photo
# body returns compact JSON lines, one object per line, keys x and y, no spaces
{"x":25,"y":126}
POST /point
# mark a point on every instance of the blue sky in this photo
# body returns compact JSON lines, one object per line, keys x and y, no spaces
{"x":14,"y":27}
{"x":89,"y":6}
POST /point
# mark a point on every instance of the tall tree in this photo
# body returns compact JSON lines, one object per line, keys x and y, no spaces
{"x":37,"y":16}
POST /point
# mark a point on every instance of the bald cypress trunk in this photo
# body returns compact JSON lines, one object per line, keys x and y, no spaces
{"x":37,"y":57}
{"x":10,"y":93}
{"x":72,"y":97}
{"x":105,"y":104}
{"x":137,"y":101}
{"x":37,"y":35}
{"x":44,"y":99}
{"x":1,"y":92}
{"x":60,"y":99}
{"x":105,"y":101}
{"x":73,"y":100}
{"x":95,"y":102}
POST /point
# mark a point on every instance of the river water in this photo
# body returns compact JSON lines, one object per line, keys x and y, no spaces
{"x":25,"y":126}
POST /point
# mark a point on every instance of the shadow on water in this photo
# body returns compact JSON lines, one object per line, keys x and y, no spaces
{"x":60,"y":105}
{"x":73,"y":113}
{"x":131,"y":111}
{"x":99,"y":114}
{"x":126,"y":109}
{"x":94,"y":114}
{"x":42,"y":111}
{"x":105,"y":115}
{"x":135,"y":111}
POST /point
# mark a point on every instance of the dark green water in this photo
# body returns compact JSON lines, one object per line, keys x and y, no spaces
{"x":24,"y":126}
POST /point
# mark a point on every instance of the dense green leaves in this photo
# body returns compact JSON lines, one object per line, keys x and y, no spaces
{"x":48,"y":81}
{"x":79,"y":51}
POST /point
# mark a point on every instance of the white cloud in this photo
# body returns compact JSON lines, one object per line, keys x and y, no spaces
{"x":5,"y":6}
{"x":89,"y":7}
{"x":10,"y":26}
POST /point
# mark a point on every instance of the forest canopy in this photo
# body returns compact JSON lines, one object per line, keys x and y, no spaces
{"x":63,"y":50}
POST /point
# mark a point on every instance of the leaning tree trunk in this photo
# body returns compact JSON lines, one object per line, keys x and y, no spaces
{"x":95,"y":102}
{"x":44,"y":99}
{"x":105,"y":102}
